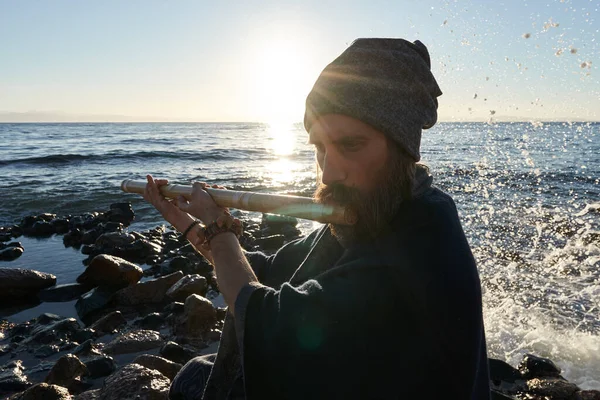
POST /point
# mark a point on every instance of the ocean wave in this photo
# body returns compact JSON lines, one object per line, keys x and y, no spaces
{"x":211,"y":155}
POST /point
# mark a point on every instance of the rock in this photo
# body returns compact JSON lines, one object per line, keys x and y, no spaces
{"x":95,"y":300}
{"x":60,"y":225}
{"x":134,"y":381}
{"x":11,"y":253}
{"x":105,"y":270}
{"x":153,"y":321}
{"x":83,"y":335}
{"x":501,"y":371}
{"x":46,"y":318}
{"x":66,"y":372}
{"x":73,"y":238}
{"x":189,"y":284}
{"x":537,"y":367}
{"x":52,"y":332}
{"x":587,"y":395}
{"x":152,"y":291}
{"x":121,"y":212}
{"x":100,"y":366}
{"x":199,"y":314}
{"x":46,"y":351}
{"x":114,"y":239}
{"x":44,"y":391}
{"x":12,"y":377}
{"x":552,"y":387}
{"x":110,"y":322}
{"x":177,"y":353}
{"x":272,"y":242}
{"x":65,"y":292}
{"x":134,"y":341}
{"x":175,"y":308}
{"x":89,"y":395}
{"x":17,"y":283}
{"x":86,"y":348}
{"x":191,"y":264}
{"x":164,"y":366}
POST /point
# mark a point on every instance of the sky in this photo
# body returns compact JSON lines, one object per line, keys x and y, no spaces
{"x":256,"y":60}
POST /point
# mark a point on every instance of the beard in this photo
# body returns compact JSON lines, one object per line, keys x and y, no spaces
{"x":375,"y":209}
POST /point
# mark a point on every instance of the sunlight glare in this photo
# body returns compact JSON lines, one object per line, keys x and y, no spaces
{"x":282,"y":136}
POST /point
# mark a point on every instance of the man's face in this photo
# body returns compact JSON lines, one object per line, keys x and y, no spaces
{"x":349,"y":152}
{"x":358,"y":171}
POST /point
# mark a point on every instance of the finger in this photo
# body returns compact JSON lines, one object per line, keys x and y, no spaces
{"x":182,"y":203}
{"x":161,"y":182}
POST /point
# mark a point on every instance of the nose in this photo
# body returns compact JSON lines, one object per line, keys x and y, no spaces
{"x":332,"y":170}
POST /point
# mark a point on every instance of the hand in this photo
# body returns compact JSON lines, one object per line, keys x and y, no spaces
{"x":168,"y":208}
{"x":201,"y":204}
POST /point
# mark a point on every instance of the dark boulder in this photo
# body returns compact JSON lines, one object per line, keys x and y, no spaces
{"x":110,"y":322}
{"x":10,"y":252}
{"x":17,"y":283}
{"x":152,"y":291}
{"x":100,"y":366}
{"x":189,"y":284}
{"x":94,"y":300}
{"x":537,"y":367}
{"x":67,"y":372}
{"x":121,"y":212}
{"x":134,"y":341}
{"x":134,"y":381}
{"x":106,"y":270}
{"x":177,"y":353}
{"x":164,"y":366}
{"x":43,"y":391}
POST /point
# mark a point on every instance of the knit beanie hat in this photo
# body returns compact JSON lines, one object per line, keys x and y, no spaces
{"x":386,"y":83}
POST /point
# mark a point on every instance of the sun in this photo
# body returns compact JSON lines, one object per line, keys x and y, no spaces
{"x":283,"y":78}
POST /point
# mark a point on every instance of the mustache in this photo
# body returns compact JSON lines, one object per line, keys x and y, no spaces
{"x":337,"y":193}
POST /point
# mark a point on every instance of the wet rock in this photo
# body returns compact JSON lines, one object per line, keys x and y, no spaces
{"x":174,"y":308}
{"x":189,"y":284}
{"x":270,"y":243}
{"x":86,"y":348}
{"x":46,"y":318}
{"x":164,"y":366}
{"x":133,"y":342}
{"x":38,"y":225}
{"x":13,"y":378}
{"x":153,"y":321}
{"x":43,"y":391}
{"x":46,"y":351}
{"x":105,"y":270}
{"x":121,"y":212}
{"x":537,"y":367}
{"x":11,"y":251}
{"x":587,"y":395}
{"x":135,"y":382}
{"x":189,"y":264}
{"x":114,"y":239}
{"x":109,"y":323}
{"x":65,"y":292}
{"x":94,"y":300}
{"x":552,"y":387}
{"x":67,"y":372}
{"x":152,"y":291}
{"x":17,"y":283}
{"x":73,"y":238}
{"x":53,"y":331}
{"x":199,"y":315}
{"x":177,"y":353}
{"x":83,"y":335}
{"x":100,"y":366}
{"x":60,"y":225}
{"x":501,"y":371}
{"x":89,"y":395}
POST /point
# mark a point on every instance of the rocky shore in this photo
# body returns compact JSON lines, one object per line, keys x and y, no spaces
{"x":146,"y":304}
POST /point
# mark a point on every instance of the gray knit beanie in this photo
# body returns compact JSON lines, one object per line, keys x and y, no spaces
{"x":386,"y":83}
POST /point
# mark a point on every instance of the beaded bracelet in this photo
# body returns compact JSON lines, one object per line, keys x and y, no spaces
{"x":183,"y":236}
{"x":225,"y":223}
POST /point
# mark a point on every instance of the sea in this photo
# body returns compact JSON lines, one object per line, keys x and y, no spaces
{"x":528,"y":195}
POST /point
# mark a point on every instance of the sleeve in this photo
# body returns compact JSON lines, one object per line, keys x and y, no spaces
{"x":260,"y":263}
{"x":329,"y":338}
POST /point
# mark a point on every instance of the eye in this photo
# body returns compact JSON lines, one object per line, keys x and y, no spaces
{"x":352,"y":145}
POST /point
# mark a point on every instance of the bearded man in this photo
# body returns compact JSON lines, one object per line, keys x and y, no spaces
{"x":387,"y":308}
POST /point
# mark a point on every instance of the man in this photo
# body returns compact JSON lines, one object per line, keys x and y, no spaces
{"x":387,"y":308}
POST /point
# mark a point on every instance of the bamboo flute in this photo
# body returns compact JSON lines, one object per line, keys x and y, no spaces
{"x":294,"y":206}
